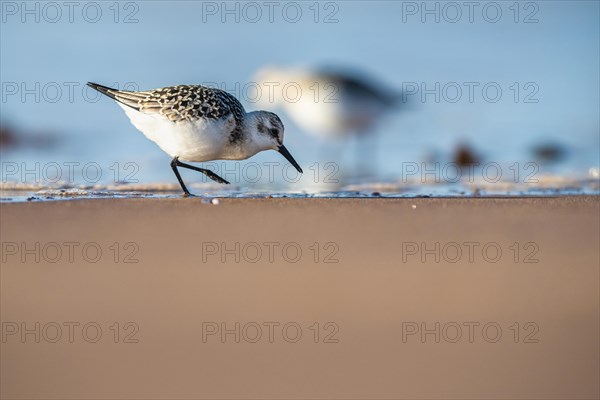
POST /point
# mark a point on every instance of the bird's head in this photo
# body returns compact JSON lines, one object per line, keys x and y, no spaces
{"x":266,"y":133}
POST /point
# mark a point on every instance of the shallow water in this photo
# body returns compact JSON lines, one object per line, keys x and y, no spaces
{"x":89,"y":128}
{"x":91,"y":145}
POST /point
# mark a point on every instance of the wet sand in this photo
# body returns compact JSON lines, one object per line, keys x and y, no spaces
{"x":301,"y":298}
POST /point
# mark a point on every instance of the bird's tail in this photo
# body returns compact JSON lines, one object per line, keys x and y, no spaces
{"x":130,"y":99}
{"x":110,"y":92}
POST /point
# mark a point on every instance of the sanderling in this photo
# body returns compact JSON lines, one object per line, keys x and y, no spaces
{"x":197,"y":124}
{"x":331,"y":102}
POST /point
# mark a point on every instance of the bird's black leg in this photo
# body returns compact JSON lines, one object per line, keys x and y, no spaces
{"x":174,"y":166}
{"x":206,"y":172}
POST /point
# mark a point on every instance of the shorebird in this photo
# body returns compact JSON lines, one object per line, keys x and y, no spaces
{"x":331,"y":102}
{"x":196,"y":123}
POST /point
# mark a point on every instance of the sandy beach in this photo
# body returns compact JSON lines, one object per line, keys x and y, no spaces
{"x":430,"y":298}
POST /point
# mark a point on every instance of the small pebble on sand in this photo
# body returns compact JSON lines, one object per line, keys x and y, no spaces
{"x":215,"y":202}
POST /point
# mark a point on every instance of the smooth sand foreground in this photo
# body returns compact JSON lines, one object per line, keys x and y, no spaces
{"x":306,"y":298}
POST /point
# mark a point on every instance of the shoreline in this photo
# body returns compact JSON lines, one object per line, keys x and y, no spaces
{"x":392,"y":188}
{"x":21,"y":196}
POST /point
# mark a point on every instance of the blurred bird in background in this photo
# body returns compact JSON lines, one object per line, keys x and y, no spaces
{"x":334,"y":104}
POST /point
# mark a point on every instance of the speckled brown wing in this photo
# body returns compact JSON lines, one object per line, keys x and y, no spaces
{"x":185,"y":103}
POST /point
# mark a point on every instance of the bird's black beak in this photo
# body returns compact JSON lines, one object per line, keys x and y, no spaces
{"x":284,"y":152}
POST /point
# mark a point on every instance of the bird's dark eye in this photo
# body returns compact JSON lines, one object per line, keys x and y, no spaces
{"x":274,"y":132}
